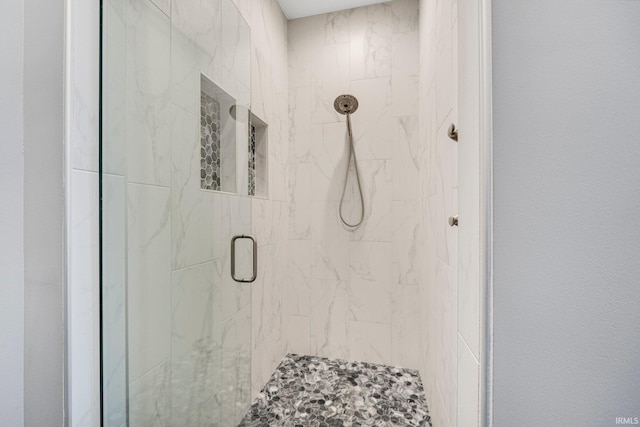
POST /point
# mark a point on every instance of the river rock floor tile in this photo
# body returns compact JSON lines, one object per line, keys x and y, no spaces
{"x":319,"y":392}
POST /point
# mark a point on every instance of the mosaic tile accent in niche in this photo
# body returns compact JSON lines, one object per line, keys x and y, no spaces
{"x":315,"y":391}
{"x":210,"y":142}
{"x":252,"y":158}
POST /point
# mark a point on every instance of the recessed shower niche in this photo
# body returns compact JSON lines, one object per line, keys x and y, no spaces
{"x":218,"y":122}
{"x":258,"y":143}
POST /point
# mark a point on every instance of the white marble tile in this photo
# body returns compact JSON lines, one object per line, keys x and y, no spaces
{"x":405,"y":15}
{"x":377,"y":188}
{"x":372,"y":124}
{"x":331,"y":241}
{"x":195,"y":50}
{"x":336,"y":26}
{"x":150,"y":398}
{"x":300,"y":201}
{"x":149,"y":277}
{"x":114,"y":328}
{"x":369,"y":342}
{"x":330,"y":78}
{"x":114,"y":94}
{"x":163,"y":5}
{"x":261,"y":86}
{"x":195,"y":340}
{"x":192,"y":209}
{"x":298,"y":335}
{"x":300,"y":260}
{"x":84,"y":298}
{"x":406,"y":164}
{"x":329,"y":319}
{"x":264,"y":299}
{"x":468,"y":398}
{"x":300,"y":124}
{"x":405,"y":77}
{"x":330,"y":156}
{"x":148,"y":94}
{"x":406,"y":236}
{"x":234,"y":391}
{"x":370,"y":281}
{"x":262,"y":220}
{"x":444,"y":61}
{"x":84,"y":100}
{"x":405,"y":326}
{"x":236,"y":43}
{"x":370,"y":30}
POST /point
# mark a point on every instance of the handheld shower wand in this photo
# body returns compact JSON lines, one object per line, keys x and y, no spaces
{"x":347,"y":105}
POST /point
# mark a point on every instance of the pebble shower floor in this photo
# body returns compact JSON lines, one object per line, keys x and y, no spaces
{"x":314,"y":391}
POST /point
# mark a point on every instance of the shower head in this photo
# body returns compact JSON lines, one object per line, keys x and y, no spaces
{"x":346,"y":104}
{"x":239,"y":113}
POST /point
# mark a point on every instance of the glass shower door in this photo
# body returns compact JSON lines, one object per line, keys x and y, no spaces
{"x":176,"y":327}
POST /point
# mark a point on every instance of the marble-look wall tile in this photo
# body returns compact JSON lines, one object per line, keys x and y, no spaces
{"x":164,"y":6}
{"x":84,"y":277}
{"x":373,"y":129}
{"x":405,"y":15}
{"x":300,"y":260}
{"x":407,"y":156}
{"x":192,"y":209}
{"x":370,"y":281}
{"x":114,"y":327}
{"x":370,"y":30}
{"x":300,"y":124}
{"x":376,"y":182}
{"x":405,"y":326}
{"x":330,"y":154}
{"x":330,"y":318}
{"x":195,"y":339}
{"x":195,"y":50}
{"x":114,"y":93}
{"x":150,"y":398}
{"x":406,"y":238}
{"x":148,"y":89}
{"x":405,"y":74}
{"x":331,"y":241}
{"x":300,"y":201}
{"x":298,"y":335}
{"x":84,"y":99}
{"x":330,"y":78}
{"x":234,"y":391}
{"x":149,"y":280}
{"x":370,"y":342}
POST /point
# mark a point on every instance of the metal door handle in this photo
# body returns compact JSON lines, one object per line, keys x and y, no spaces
{"x":233,"y":258}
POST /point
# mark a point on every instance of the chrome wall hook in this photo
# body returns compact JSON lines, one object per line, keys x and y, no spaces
{"x":452,"y":132}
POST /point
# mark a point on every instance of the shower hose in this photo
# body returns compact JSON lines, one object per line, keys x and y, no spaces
{"x":352,"y":154}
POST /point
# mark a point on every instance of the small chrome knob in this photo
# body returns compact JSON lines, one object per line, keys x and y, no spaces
{"x":453,"y":221}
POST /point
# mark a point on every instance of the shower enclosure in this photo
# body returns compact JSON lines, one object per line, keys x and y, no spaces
{"x":176,"y":175}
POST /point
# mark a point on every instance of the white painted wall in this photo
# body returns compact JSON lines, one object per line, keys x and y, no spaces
{"x":43,"y":212}
{"x":566,"y":102}
{"x":11,"y":216}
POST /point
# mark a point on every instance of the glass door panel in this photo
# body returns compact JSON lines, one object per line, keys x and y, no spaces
{"x":176,"y":327}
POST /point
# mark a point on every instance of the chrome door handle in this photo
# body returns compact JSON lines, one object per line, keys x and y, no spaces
{"x":233,"y":258}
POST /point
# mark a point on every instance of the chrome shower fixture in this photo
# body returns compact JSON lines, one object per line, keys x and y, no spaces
{"x":346,"y":104}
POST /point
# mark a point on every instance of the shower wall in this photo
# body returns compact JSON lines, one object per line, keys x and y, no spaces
{"x":355,"y":295}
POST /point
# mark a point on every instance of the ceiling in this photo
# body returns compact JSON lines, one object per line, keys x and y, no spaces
{"x":300,"y":8}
